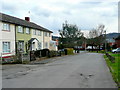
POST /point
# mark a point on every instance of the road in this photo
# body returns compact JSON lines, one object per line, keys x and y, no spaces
{"x":84,"y":70}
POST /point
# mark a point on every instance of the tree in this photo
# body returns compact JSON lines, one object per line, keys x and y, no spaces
{"x":70,"y":34}
{"x":97,"y":36}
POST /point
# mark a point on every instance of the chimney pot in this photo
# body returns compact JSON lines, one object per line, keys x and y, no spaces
{"x":27,"y":19}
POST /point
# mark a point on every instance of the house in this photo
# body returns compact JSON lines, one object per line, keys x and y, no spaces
{"x":22,"y":35}
{"x":117,"y":42}
{"x":7,"y":38}
{"x":110,"y":38}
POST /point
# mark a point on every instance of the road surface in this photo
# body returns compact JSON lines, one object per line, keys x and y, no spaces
{"x":84,"y":70}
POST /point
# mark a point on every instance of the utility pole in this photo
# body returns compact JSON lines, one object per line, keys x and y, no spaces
{"x":105,"y":41}
{"x":1,"y":58}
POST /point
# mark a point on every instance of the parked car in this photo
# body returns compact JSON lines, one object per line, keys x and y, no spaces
{"x":116,"y":50}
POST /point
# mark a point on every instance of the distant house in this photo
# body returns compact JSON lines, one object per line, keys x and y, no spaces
{"x":110,"y":38}
{"x":16,"y":34}
{"x":54,"y":43}
{"x":117,"y":42}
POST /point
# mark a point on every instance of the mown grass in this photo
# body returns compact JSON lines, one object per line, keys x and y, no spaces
{"x":114,"y":67}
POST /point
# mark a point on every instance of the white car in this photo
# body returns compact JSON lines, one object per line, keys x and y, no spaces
{"x":116,"y":50}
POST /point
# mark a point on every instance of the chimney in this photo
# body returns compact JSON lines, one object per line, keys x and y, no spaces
{"x":27,"y":19}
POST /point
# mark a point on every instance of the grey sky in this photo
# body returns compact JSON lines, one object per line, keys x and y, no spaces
{"x":86,"y":14}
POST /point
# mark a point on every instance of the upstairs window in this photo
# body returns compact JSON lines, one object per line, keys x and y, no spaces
{"x":45,"y":34}
{"x":20,"y":29}
{"x":34,"y":32}
{"x":39,"y":33}
{"x":27,"y":31}
{"x":6,"y":27}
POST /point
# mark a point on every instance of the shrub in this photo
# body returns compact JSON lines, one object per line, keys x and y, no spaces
{"x":69,"y":51}
{"x":102,"y":51}
{"x":52,"y":53}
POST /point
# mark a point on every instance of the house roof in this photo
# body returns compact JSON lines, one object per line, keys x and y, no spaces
{"x":18,"y":21}
{"x":118,"y":38}
{"x":32,"y":39}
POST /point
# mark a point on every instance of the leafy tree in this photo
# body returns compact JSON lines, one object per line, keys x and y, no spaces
{"x":70,"y":35}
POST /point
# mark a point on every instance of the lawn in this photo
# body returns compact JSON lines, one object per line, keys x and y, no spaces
{"x":114,"y":67}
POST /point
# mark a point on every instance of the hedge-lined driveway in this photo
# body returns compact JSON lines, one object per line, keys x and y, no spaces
{"x":83,"y":70}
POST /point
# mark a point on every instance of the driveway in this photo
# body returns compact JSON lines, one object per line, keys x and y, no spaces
{"x":84,"y":70}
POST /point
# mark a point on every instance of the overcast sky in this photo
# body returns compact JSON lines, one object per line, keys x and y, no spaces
{"x":86,"y":14}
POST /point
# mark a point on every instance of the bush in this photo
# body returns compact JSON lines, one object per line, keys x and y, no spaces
{"x":44,"y":53}
{"x":102,"y":51}
{"x":52,"y":53}
{"x":69,"y":51}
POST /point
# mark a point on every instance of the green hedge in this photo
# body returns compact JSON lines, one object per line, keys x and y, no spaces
{"x":69,"y":51}
{"x":52,"y":53}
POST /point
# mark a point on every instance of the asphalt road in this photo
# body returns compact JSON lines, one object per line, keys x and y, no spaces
{"x":84,"y":70}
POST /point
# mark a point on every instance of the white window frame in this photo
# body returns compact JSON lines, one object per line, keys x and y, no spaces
{"x":27,"y":30}
{"x":45,"y":33}
{"x":34,"y":32}
{"x":6,"y":26}
{"x":39,"y":45}
{"x":6,"y":47}
{"x":20,"y":29}
{"x":46,"y":44}
{"x":49,"y":34}
{"x":21,"y":45}
{"x":39,"y":33}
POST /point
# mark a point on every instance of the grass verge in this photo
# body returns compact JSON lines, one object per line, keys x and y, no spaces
{"x":114,"y":67}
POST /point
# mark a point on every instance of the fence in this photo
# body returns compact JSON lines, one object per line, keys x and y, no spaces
{"x":111,"y":58}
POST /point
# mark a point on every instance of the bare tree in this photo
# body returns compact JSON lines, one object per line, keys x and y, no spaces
{"x":97,"y":35}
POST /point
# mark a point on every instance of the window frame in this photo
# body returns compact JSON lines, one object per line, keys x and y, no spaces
{"x":46,"y":44}
{"x":8,"y":50}
{"x":34,"y":32}
{"x":39,"y":33}
{"x":45,"y":34}
{"x":21,"y":45}
{"x":27,"y":32}
{"x":20,"y":29}
{"x":6,"y":27}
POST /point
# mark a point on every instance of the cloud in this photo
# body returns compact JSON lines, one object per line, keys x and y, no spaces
{"x":87,"y":14}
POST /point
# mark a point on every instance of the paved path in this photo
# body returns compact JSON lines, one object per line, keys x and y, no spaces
{"x":84,"y":70}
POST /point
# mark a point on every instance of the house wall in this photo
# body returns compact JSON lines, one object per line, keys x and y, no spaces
{"x":47,"y":39}
{"x":35,"y":45}
{"x":53,"y":45}
{"x":118,"y":43}
{"x":0,"y":38}
{"x":40,"y":38}
{"x":7,"y":36}
{"x":23,"y":37}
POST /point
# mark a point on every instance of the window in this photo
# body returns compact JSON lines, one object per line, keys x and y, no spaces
{"x":21,"y":45}
{"x":6,"y":47}
{"x":45,"y":33}
{"x":6,"y":26}
{"x":39,"y":45}
{"x":49,"y":34}
{"x":27,"y":30}
{"x":46,"y":44}
{"x":34,"y":32}
{"x":39,"y":33}
{"x":20,"y":29}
